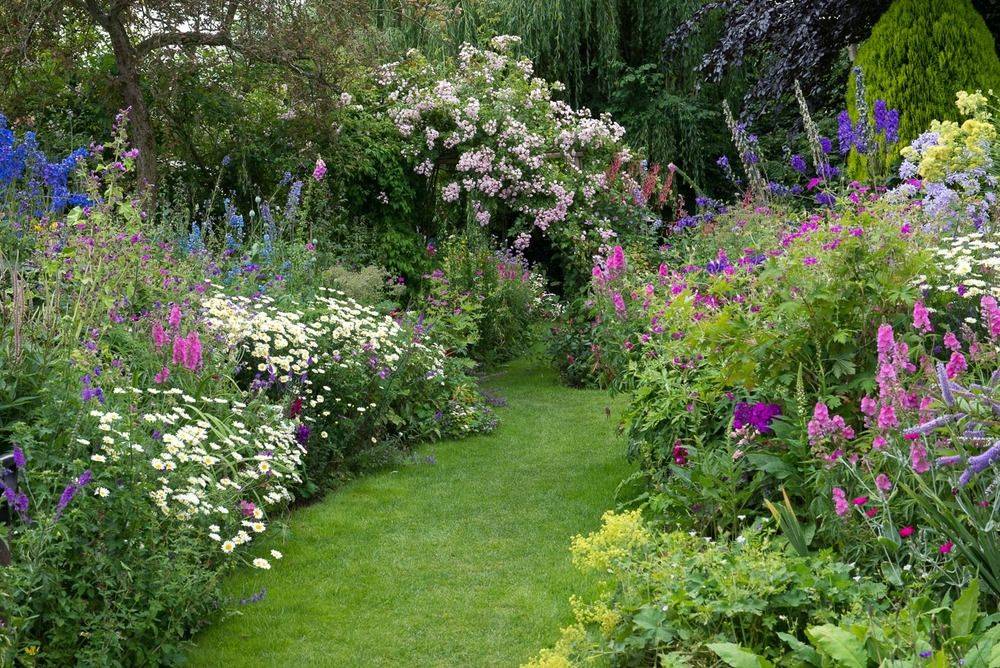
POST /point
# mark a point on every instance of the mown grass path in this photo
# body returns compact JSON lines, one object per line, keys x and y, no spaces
{"x":461,"y":562}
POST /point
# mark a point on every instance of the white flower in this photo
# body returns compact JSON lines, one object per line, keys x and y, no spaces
{"x":258,"y":527}
{"x":102,"y":492}
{"x":100,"y":459}
{"x":228,"y":546}
{"x":276,"y":554}
{"x":262,"y":563}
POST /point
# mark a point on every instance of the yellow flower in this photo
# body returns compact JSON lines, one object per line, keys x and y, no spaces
{"x":619,"y":535}
{"x":31,"y":650}
{"x":969,"y":103}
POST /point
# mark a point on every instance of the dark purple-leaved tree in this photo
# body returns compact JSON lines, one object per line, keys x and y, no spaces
{"x":789,"y":40}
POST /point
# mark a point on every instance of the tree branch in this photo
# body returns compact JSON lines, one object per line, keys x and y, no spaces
{"x":183,"y":38}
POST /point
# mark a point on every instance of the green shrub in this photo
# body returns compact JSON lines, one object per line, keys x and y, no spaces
{"x":921,"y":52}
{"x":678,"y":594}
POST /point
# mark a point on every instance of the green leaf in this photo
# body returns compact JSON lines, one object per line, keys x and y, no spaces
{"x":965,"y":611}
{"x":801,"y":650}
{"x":737,"y":657}
{"x":842,"y":646}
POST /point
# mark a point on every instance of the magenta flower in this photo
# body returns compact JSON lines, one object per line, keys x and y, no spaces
{"x":320,"y":170}
{"x":956,"y":365}
{"x":868,"y":406}
{"x":946,"y":547}
{"x":918,"y":457}
{"x":162,"y":376}
{"x":951,"y":342}
{"x":887,"y":418}
{"x":906,"y":532}
{"x":192,"y":352}
{"x":160,"y":337}
{"x":179,"y":350}
{"x":921,"y":318}
{"x":883,"y":483}
{"x":840,"y":504}
{"x":859,"y":500}
{"x":991,"y":315}
{"x":174,"y":319}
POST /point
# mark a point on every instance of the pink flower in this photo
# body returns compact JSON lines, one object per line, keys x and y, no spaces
{"x":956,"y":365}
{"x":180,"y":350}
{"x":885,"y":341}
{"x":918,"y":457}
{"x":192,"y":353}
{"x":883,"y":483}
{"x":878,"y":442}
{"x":906,"y":532}
{"x":887,"y":417}
{"x":921,"y":318}
{"x":160,"y":337}
{"x":871,"y":512}
{"x":946,"y":547}
{"x":991,"y":315}
{"x":174,"y":320}
{"x":320,"y":170}
{"x":868,"y":406}
{"x":840,"y":505}
{"x":619,"y":303}
{"x":951,"y":342}
{"x":860,"y":500}
{"x":162,"y":376}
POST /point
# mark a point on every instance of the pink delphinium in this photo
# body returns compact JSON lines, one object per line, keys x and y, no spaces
{"x":991,"y":315}
{"x":162,"y":376}
{"x":956,"y":365}
{"x":921,"y":318}
{"x":951,"y":342}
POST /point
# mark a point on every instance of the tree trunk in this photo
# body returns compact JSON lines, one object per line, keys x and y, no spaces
{"x":140,"y":125}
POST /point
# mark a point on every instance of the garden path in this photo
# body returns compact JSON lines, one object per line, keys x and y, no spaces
{"x":458,"y":559}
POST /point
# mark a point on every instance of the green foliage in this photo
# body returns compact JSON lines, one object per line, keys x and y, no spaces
{"x":919,"y":54}
{"x":483,"y":303}
{"x":682,"y":593}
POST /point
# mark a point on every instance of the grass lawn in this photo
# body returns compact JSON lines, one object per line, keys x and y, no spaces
{"x":460,"y":562}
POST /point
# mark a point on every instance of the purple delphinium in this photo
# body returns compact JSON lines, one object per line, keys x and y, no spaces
{"x":302,"y":433}
{"x":798,"y":163}
{"x":887,"y":121}
{"x":845,"y":132}
{"x":758,"y":416}
{"x":19,"y":459}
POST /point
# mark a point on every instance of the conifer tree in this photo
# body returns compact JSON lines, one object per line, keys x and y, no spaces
{"x":920,"y":53}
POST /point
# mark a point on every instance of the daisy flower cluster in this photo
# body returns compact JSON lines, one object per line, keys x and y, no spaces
{"x":968,"y":266}
{"x":213,"y":464}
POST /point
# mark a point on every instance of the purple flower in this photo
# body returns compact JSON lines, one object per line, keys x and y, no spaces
{"x":70,"y":491}
{"x":845,"y":132}
{"x":302,"y":433}
{"x":19,"y":459}
{"x":798,"y":163}
{"x":979,"y":463}
{"x":825,"y":144}
{"x":758,"y":416}
{"x":887,"y":121}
